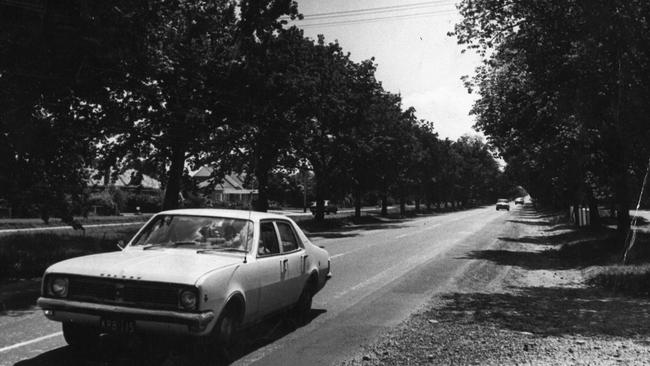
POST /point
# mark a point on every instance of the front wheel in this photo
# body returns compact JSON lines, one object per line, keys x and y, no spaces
{"x":225,"y":331}
{"x":79,"y":336}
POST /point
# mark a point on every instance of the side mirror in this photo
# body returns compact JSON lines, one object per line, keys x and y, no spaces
{"x":121,"y":245}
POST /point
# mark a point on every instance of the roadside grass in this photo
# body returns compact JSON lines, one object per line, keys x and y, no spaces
{"x":596,"y":251}
{"x":630,"y":280}
{"x":24,"y":256}
{"x":560,"y":246}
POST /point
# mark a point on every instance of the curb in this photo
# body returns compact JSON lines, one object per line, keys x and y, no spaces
{"x":19,"y":294}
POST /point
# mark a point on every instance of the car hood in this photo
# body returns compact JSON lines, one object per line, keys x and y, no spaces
{"x":159,"y":265}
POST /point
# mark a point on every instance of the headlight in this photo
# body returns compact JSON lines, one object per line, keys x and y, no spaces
{"x":188,"y":299}
{"x":59,"y":287}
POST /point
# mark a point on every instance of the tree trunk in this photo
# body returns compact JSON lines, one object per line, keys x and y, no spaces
{"x":174,"y":176}
{"x":262,"y":175}
{"x":357,"y":202}
{"x":622,"y":200}
{"x":417,"y":205}
{"x":320,"y":200}
{"x":384,"y":204}
{"x":402,"y":205}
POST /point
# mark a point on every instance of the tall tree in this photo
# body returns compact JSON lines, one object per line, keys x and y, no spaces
{"x":52,"y":65}
{"x":173,"y":96}
{"x":559,"y":90}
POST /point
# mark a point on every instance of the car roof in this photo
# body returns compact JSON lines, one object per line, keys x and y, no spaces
{"x":502,"y":200}
{"x":217,"y":212}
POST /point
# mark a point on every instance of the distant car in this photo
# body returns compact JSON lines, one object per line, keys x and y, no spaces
{"x":519,"y":201}
{"x":328,"y":208}
{"x":202,"y":273}
{"x":503,"y":204}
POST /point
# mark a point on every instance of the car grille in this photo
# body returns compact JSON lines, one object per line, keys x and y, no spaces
{"x":125,"y":293}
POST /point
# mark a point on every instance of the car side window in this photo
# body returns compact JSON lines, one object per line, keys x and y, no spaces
{"x":287,"y":236}
{"x":268,"y":244}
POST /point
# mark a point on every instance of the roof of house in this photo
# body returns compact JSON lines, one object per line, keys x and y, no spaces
{"x":124,"y":180}
{"x":230,"y":184}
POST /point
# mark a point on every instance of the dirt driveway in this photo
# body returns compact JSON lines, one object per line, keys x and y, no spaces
{"x":525,"y":301}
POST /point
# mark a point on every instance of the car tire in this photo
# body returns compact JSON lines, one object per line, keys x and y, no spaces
{"x":226,"y":329}
{"x":302,"y":309}
{"x":79,"y":336}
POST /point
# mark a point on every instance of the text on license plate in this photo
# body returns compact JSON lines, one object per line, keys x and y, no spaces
{"x":117,"y":325}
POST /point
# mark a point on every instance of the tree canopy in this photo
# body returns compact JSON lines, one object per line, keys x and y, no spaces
{"x":166,"y":87}
{"x":561,"y":92}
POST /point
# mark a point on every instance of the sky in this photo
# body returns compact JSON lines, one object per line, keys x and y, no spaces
{"x":413,"y":53}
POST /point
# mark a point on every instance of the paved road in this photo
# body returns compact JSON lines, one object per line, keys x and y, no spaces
{"x":382,"y":273}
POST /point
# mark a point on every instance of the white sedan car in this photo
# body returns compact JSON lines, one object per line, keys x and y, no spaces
{"x":195,"y":272}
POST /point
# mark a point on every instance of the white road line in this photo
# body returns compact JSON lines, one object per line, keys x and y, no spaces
{"x":339,"y":255}
{"x":35,"y":340}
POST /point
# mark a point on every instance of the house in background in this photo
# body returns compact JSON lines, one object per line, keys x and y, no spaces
{"x":130,"y":181}
{"x":231,"y":190}
{"x":130,"y":191}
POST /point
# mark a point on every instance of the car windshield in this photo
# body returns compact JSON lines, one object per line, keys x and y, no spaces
{"x":197,"y":232}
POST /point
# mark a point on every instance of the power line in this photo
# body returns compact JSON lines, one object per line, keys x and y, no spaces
{"x":376,"y":10}
{"x":379,"y":19}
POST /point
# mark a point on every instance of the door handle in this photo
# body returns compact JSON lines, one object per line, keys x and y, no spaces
{"x":284,"y":265}
{"x":304,"y":263}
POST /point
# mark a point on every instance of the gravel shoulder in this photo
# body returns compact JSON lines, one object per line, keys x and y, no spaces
{"x":521,"y":303}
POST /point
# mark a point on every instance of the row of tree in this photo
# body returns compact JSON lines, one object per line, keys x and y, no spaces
{"x":163,"y":86}
{"x":564,"y":93}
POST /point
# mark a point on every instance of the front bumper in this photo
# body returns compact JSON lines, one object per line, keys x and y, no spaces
{"x":146,"y":320}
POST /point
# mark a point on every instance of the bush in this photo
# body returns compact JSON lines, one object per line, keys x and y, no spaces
{"x":103,"y":202}
{"x":27,"y":256}
{"x":146,"y":202}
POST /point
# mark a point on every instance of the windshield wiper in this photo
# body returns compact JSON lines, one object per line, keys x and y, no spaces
{"x":149,"y":246}
{"x":185,"y":242}
{"x":169,"y":245}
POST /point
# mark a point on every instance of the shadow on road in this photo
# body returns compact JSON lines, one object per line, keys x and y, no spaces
{"x":550,"y":311}
{"x":531,"y":222}
{"x":567,"y":251}
{"x":346,"y":228}
{"x":562,"y":247}
{"x":551,"y":240}
{"x":168,"y":351}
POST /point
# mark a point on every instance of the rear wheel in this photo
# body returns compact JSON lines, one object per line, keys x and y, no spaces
{"x":302,"y":309}
{"x":79,"y":336}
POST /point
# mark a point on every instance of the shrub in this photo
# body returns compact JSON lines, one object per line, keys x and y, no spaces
{"x":103,"y":201}
{"x":629,"y":280}
{"x":27,"y":256}
{"x":146,"y":202}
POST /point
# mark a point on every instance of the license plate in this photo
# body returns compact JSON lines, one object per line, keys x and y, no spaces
{"x":117,"y":325}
